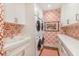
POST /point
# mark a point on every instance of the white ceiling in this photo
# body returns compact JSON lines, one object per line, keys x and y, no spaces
{"x":46,"y":6}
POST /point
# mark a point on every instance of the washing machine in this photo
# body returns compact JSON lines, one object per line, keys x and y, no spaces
{"x":39,"y":35}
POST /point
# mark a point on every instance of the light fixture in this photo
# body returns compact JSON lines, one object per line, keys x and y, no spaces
{"x":49,"y":5}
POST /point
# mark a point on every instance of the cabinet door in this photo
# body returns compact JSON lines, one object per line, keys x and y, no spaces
{"x":9,"y":12}
{"x":68,"y":14}
{"x":62,"y":49}
{"x":21,"y":13}
{"x":15,"y":13}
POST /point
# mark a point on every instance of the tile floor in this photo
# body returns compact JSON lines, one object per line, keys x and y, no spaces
{"x":49,"y":52}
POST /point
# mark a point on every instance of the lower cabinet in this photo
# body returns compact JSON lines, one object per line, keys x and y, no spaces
{"x":20,"y":48}
{"x":63,"y":50}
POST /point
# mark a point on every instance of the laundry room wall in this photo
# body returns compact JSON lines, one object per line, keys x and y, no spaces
{"x":51,"y":16}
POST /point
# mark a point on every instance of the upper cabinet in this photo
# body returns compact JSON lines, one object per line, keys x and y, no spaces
{"x":15,"y":13}
{"x":9,"y":12}
{"x":69,"y":13}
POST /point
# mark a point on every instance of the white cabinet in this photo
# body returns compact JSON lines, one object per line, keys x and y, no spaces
{"x":9,"y":12}
{"x":68,"y":13}
{"x":15,"y":11}
{"x":21,"y":13}
{"x":63,"y":51}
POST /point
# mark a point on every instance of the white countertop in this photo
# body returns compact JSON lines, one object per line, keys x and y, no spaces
{"x":11,"y":43}
{"x":71,"y":43}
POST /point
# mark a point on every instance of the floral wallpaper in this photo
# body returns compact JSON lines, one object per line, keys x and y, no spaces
{"x":12,"y":29}
{"x":1,"y":29}
{"x":49,"y":16}
{"x":72,"y":30}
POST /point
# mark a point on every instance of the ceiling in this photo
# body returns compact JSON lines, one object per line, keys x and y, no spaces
{"x":46,"y":6}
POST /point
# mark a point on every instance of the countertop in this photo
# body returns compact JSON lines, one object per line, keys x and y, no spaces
{"x":11,"y":43}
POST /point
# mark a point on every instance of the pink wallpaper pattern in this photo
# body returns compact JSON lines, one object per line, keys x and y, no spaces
{"x":12,"y":29}
{"x":52,"y":15}
{"x":49,"y":16}
{"x":1,"y":29}
{"x":72,"y":30}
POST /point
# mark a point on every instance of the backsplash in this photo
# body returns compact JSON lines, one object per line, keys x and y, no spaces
{"x":50,"y":16}
{"x":12,"y":29}
{"x":72,"y":30}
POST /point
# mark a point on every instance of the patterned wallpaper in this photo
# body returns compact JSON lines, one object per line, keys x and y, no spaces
{"x":49,"y":16}
{"x":12,"y":29}
{"x":72,"y":30}
{"x":1,"y":29}
{"x":52,"y":15}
